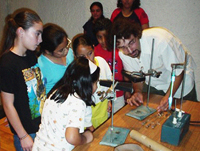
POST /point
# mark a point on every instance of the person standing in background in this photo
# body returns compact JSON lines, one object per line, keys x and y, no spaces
{"x":131,"y":9}
{"x":18,"y":79}
{"x":56,"y":54}
{"x":96,"y":10}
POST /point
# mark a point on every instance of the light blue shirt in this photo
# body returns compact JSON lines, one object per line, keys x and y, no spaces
{"x":53,"y":72}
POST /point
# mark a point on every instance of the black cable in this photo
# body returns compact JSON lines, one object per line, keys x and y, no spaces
{"x":194,"y":124}
{"x":194,"y":121}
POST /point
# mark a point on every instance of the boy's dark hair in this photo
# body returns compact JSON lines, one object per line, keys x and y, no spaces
{"x":136,"y":4}
{"x":52,"y":36}
{"x":102,"y":24}
{"x":77,"y":79}
{"x":122,"y":27}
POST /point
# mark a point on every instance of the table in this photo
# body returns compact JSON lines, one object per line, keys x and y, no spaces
{"x":191,"y":140}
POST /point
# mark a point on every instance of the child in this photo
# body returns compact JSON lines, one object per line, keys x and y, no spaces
{"x":65,"y":110}
{"x":82,"y":46}
{"x":22,"y":89}
{"x":101,"y":29}
{"x":56,"y":54}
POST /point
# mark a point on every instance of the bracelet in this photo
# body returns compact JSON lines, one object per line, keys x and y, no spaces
{"x":23,"y":137}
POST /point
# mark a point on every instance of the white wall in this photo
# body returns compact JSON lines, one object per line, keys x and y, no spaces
{"x":179,"y":16}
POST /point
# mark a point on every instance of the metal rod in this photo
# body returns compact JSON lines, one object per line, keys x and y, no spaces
{"x":150,"y":71}
{"x":174,"y":114}
{"x":151,"y":63}
{"x":183,"y":83}
{"x":114,"y":47}
{"x":175,"y":108}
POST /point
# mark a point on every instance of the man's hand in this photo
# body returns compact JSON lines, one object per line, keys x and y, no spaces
{"x":136,"y":99}
{"x":164,"y":104}
{"x":164,"y":101}
{"x":127,"y":95}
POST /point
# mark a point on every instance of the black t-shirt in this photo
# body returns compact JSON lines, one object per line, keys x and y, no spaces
{"x":133,"y":17}
{"x":89,"y":27}
{"x":18,"y":76}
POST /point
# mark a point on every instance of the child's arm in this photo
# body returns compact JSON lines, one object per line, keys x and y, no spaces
{"x":75,"y":138}
{"x":13,"y":117}
{"x":109,"y":109}
{"x":91,"y":128}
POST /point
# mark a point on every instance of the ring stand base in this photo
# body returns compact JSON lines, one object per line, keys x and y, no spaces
{"x":114,"y":137}
{"x":141,"y":112}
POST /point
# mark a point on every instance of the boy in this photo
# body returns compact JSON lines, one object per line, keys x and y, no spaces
{"x":101,"y":30}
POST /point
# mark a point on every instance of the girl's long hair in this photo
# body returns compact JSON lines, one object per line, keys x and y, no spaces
{"x":24,"y":18}
{"x":77,"y":79}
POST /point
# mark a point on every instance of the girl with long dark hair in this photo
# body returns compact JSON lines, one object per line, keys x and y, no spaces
{"x":65,"y":111}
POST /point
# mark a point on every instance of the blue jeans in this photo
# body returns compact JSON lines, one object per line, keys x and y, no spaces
{"x":17,"y":143}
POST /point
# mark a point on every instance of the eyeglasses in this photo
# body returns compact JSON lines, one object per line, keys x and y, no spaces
{"x":68,"y":43}
{"x":128,"y":47}
{"x":64,"y":50}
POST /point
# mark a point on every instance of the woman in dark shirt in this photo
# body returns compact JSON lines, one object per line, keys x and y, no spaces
{"x":96,"y":10}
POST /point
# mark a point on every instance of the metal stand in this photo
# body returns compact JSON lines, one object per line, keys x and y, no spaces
{"x":115,"y":135}
{"x":174,"y":129}
{"x":174,"y":67}
{"x":142,"y":112}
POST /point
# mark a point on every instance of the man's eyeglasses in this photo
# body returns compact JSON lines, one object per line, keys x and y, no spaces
{"x":124,"y":48}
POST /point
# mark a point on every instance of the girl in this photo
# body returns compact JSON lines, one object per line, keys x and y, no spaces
{"x":18,"y":78}
{"x":56,"y":54}
{"x":82,"y":46}
{"x":65,"y":110}
{"x":96,"y":10}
